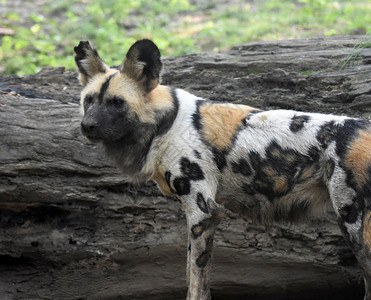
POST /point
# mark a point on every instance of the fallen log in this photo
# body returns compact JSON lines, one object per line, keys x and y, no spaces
{"x":73,"y":227}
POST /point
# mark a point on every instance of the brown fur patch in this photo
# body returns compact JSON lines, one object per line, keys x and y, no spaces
{"x":308,"y":173}
{"x":221,"y":121}
{"x":197,"y":230}
{"x":269,"y":171}
{"x":162,"y":184}
{"x":276,"y":153}
{"x":280,"y":184}
{"x":160,"y":98}
{"x":367,"y":230}
{"x":290,"y":158}
{"x":358,"y":158}
{"x":313,"y":191}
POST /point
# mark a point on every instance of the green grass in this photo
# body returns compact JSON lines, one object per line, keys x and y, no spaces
{"x":356,"y":55}
{"x":177,"y":26}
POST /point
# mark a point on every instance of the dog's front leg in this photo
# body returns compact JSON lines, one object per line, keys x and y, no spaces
{"x":201,"y":227}
{"x":198,"y":267}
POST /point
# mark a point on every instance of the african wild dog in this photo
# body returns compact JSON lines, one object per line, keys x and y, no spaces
{"x":265,"y":165}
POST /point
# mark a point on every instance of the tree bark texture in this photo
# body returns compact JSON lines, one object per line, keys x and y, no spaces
{"x":73,"y":227}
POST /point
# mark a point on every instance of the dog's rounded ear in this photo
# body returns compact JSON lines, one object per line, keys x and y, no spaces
{"x":143,"y":64}
{"x":88,"y":62}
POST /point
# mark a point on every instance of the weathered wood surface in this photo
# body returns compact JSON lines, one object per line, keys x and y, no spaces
{"x":72,"y":227}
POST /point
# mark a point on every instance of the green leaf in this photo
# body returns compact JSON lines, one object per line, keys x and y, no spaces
{"x":35,"y":29}
{"x":13,"y":16}
{"x":37,"y":18}
{"x":7,"y":44}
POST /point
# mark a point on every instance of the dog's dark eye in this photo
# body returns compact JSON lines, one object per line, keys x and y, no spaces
{"x":88,"y":101}
{"x":116,"y":102}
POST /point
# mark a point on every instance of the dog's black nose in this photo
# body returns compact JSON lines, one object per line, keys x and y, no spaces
{"x":88,"y":126}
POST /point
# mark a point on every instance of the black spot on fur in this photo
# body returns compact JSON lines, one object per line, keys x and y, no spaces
{"x":182,"y":185}
{"x":312,"y":156}
{"x":349,"y":213}
{"x":219,"y":158}
{"x":248,"y":189}
{"x":202,"y":203}
{"x":261,"y":182}
{"x":330,"y":167}
{"x":280,"y":158}
{"x":196,"y":117}
{"x":256,"y":160}
{"x":191,"y":170}
{"x":197,"y":154}
{"x":327,"y":134}
{"x":210,"y":222}
{"x":205,"y":256}
{"x":297,"y":122}
{"x":242,"y":167}
{"x":168,"y":119}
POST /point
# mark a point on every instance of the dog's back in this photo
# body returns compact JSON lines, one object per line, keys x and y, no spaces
{"x":283,"y":165}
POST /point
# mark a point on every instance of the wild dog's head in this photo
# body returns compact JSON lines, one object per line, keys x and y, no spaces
{"x":114,"y":101}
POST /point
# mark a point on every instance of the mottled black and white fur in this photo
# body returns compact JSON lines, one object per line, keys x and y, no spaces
{"x":264,"y":165}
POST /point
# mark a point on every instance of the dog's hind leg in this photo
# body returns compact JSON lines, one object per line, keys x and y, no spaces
{"x":363,"y":253}
{"x":351,"y":203}
{"x":358,"y":236}
{"x":364,"y":256}
{"x":353,"y":208}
